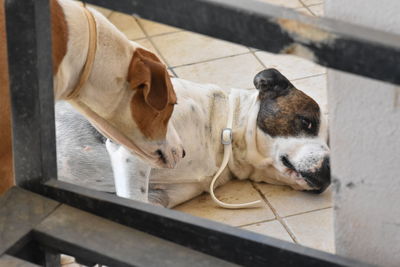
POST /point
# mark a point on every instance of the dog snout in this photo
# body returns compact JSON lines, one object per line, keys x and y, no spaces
{"x":319,"y":179}
{"x":170,"y":157}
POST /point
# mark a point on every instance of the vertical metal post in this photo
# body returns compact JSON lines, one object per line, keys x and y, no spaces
{"x":52,"y":258}
{"x":31,"y":83}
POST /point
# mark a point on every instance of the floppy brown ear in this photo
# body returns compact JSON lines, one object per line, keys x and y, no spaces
{"x":153,"y":102}
{"x":147,"y":73}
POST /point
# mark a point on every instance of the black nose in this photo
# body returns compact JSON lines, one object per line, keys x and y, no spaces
{"x":321,"y":178}
{"x":183,"y":153}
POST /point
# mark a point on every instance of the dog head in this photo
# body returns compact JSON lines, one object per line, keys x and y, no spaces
{"x":296,"y":133}
{"x":151,"y":107}
{"x":136,"y":113}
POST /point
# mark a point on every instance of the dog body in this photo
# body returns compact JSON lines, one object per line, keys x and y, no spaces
{"x":278,"y":138}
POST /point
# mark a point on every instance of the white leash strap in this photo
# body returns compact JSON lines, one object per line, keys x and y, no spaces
{"x":226,"y":139}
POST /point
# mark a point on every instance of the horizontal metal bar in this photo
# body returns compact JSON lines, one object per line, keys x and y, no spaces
{"x":10,"y":261}
{"x":31,"y":89}
{"x":94,"y":239}
{"x":219,"y":240}
{"x":20,"y":211}
{"x":335,"y":44}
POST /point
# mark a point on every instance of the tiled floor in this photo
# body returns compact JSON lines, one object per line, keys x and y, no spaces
{"x":286,"y":214}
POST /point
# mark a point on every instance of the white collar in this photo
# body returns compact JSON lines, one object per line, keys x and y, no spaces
{"x":226,"y":140}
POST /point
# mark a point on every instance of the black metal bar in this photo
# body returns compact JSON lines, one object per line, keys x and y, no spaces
{"x":51,"y":257}
{"x":219,"y":240}
{"x":10,"y":261}
{"x":338,"y":45}
{"x":335,"y":44}
{"x":30,"y":252}
{"x":91,"y":239}
{"x":31,"y":84}
{"x":20,"y":211}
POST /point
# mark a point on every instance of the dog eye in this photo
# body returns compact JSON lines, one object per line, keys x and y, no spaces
{"x":306,"y":123}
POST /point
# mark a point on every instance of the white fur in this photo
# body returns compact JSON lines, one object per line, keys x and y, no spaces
{"x":124,"y":168}
{"x":199,"y":118}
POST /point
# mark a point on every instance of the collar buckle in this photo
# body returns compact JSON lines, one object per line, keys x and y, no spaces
{"x":226,"y":136}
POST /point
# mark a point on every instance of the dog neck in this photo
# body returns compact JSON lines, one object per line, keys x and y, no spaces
{"x":247,"y":152}
{"x":112,"y":47}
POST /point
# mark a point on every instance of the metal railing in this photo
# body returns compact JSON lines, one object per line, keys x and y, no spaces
{"x":330,"y":43}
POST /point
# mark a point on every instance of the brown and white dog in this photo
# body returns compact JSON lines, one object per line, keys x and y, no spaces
{"x":127,"y":95}
{"x":279,"y":137}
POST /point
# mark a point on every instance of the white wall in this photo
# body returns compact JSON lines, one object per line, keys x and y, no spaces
{"x":365,"y":142}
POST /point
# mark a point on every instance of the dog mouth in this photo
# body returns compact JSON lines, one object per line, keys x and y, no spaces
{"x":298,"y":177}
{"x":161,"y":157}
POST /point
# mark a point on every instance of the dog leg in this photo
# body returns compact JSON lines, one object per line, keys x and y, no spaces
{"x":131,"y":175}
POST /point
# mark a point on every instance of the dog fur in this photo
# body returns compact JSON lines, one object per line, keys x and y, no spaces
{"x":279,"y":137}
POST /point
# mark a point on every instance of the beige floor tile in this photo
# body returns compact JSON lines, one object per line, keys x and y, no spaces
{"x":287,"y":201}
{"x":272,"y":229}
{"x":304,"y":11}
{"x":284,"y":3}
{"x":292,"y":67}
{"x":312,"y":2}
{"x":317,"y":10}
{"x":106,"y":12}
{"x":147,"y":44}
{"x":232,"y":192}
{"x":74,"y":264}
{"x":154,"y":28}
{"x":127,"y":24}
{"x":316,"y":88}
{"x":186,"y":48}
{"x":65,"y":259}
{"x":236,"y":71}
{"x":314,"y":229}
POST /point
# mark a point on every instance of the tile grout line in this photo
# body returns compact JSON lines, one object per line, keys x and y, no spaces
{"x":148,"y":37}
{"x":307,"y":7}
{"x":257,"y":58}
{"x":305,"y":77}
{"x":305,"y":212}
{"x":165,"y":33}
{"x":317,"y":4}
{"x":109,"y":15}
{"x":209,"y":60}
{"x":302,"y":3}
{"x":253,"y":223}
{"x":278,"y":218}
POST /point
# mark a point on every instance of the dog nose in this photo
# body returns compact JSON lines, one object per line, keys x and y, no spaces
{"x":321,"y":178}
{"x":183,"y":153}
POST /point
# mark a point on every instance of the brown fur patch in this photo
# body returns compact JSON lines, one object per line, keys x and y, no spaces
{"x":153,"y":103}
{"x":6,"y":161}
{"x":292,"y":114}
{"x":59,"y":33}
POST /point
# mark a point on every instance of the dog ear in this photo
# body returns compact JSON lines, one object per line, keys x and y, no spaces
{"x":153,"y":102}
{"x":148,"y":75}
{"x":272,"y":83}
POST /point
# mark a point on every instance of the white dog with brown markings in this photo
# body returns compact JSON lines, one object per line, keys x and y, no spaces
{"x":120,"y":87}
{"x":279,"y":137}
